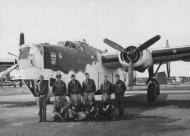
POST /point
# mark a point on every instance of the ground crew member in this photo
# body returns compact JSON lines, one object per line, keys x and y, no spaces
{"x":105,"y":108}
{"x":76,"y":110}
{"x":88,"y":86}
{"x":120,"y":89}
{"x":91,"y":108}
{"x":74,"y":88}
{"x":60,"y":109}
{"x":42,"y":90}
{"x":59,"y":88}
{"x":106,"y":87}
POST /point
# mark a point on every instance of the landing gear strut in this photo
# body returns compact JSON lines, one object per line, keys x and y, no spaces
{"x":153,"y":89}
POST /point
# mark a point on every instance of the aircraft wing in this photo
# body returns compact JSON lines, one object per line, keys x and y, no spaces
{"x":164,"y":55}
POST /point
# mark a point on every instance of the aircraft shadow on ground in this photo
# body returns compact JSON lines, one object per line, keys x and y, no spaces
{"x":139,"y":102}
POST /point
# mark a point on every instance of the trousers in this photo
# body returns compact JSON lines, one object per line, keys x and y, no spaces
{"x":42,"y":102}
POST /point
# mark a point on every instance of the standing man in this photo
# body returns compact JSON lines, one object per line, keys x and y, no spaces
{"x":88,"y":86}
{"x":106,"y":87}
{"x":120,"y":89}
{"x":42,"y":90}
{"x":74,"y":88}
{"x":59,"y":88}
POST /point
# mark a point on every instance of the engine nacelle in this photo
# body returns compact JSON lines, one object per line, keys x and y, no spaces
{"x":141,"y":61}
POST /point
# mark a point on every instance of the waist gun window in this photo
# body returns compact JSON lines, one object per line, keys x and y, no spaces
{"x":53,"y":58}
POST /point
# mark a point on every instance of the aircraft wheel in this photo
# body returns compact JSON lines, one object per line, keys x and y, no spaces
{"x":152,"y":92}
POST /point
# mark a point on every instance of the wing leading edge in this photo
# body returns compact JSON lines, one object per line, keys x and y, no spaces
{"x":171,"y":54}
{"x":162,"y":55}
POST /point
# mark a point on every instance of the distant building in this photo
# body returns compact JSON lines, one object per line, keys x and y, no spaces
{"x":162,"y":78}
{"x":4,"y":64}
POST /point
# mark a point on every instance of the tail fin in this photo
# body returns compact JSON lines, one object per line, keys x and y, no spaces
{"x":21,"y":39}
{"x":167,"y":44}
{"x":168,"y":63}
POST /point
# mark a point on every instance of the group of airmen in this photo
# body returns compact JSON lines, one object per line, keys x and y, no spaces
{"x":81,"y":104}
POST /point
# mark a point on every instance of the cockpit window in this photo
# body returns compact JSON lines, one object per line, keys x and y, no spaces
{"x":70,"y":44}
{"x":24,"y":53}
{"x":79,"y":47}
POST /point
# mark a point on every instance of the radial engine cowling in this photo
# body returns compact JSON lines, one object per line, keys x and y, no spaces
{"x":141,"y":59}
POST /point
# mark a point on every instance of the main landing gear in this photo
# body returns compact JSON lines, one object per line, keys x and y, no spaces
{"x":153,"y":89}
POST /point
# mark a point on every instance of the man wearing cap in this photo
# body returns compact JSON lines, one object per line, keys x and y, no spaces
{"x":120,"y":88}
{"x":74,"y":88}
{"x":59,"y":88}
{"x":106,"y":87}
{"x":42,"y":90}
{"x":88,"y":86}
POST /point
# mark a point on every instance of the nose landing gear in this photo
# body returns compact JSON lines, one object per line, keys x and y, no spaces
{"x":153,"y":89}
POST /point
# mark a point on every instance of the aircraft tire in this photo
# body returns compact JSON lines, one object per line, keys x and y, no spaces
{"x":152,"y":92}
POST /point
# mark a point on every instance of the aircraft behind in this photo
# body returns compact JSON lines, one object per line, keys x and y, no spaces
{"x":78,"y":57}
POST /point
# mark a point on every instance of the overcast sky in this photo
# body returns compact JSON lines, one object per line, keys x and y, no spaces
{"x":124,"y":21}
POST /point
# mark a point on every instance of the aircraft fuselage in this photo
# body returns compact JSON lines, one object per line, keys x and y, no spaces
{"x":66,"y":58}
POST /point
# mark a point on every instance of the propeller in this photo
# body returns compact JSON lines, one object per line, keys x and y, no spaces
{"x":132,"y":54}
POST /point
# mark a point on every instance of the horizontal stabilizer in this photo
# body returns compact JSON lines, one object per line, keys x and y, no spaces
{"x":7,"y":71}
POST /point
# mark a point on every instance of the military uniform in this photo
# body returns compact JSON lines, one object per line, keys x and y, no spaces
{"x":59,"y":89}
{"x":105,"y":109}
{"x":107,"y":88}
{"x":91,"y":108}
{"x":74,"y":88}
{"x":89,"y":87}
{"x":60,"y":109}
{"x":42,"y":90}
{"x":119,"y":96}
{"x":76,"y":110}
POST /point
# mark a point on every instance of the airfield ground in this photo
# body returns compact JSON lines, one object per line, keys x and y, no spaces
{"x":169,"y":116}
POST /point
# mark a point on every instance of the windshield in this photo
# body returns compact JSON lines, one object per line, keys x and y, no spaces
{"x":24,"y":53}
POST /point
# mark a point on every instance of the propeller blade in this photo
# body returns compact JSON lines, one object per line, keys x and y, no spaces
{"x":130,"y":74}
{"x":148,"y":43}
{"x":114,"y":45}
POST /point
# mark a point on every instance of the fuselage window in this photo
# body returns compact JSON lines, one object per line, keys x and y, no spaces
{"x":53,"y":58}
{"x":60,"y":56}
